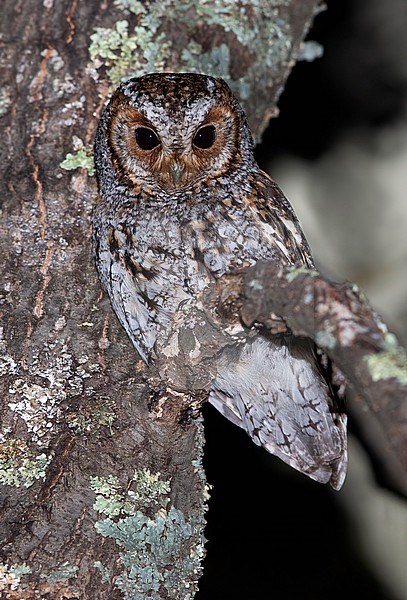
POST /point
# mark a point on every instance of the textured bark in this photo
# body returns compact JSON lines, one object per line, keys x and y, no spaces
{"x":75,"y":402}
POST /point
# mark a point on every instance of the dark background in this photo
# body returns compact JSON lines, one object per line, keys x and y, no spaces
{"x":272,"y":532}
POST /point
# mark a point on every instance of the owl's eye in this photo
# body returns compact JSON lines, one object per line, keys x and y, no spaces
{"x":146,"y":138}
{"x":205,"y":137}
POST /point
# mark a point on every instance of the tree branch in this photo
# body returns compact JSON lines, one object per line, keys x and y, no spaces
{"x":341,"y":322}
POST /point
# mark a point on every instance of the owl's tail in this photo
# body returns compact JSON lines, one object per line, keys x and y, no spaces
{"x":273,"y":388}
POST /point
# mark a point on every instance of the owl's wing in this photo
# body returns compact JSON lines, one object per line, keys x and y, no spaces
{"x":272,"y":386}
{"x":276,"y":221}
{"x":141,"y":293}
{"x":132,"y":310}
{"x":273,"y":390}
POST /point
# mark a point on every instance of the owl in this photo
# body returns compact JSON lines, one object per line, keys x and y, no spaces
{"x":182,"y":201}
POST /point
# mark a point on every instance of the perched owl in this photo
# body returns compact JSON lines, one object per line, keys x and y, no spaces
{"x":182,"y":201}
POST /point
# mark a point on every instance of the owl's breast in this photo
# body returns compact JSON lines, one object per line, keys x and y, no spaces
{"x":175,"y":251}
{"x":154,"y":256}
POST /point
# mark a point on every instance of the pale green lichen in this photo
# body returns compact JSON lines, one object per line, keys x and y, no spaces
{"x":391,"y":343}
{"x":150,"y":533}
{"x":90,"y":419}
{"x":129,"y":54}
{"x":310,"y":51}
{"x":390,"y":363}
{"x":134,"y":6}
{"x":62,"y":573}
{"x":216,"y":61}
{"x":10,"y":575}
{"x":149,"y":546}
{"x":148,"y":490}
{"x":243,"y":19}
{"x":257,"y":26}
{"x":294,"y":272}
{"x":147,"y":47}
{"x":19,"y":466}
{"x":110,"y":500}
{"x":81,"y":157}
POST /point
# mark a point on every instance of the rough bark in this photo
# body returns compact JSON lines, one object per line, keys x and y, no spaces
{"x":95,"y":465}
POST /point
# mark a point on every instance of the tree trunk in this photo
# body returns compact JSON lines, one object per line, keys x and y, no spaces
{"x":103,"y":492}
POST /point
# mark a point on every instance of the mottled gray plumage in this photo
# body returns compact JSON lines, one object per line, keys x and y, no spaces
{"x":182,"y":201}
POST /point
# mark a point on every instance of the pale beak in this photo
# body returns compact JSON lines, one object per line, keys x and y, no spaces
{"x":176,"y":170}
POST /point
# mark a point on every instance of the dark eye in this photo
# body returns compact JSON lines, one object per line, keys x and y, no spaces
{"x":205,"y":137}
{"x":146,"y":138}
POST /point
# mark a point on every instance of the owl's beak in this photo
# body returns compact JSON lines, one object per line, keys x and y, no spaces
{"x":176,"y":171}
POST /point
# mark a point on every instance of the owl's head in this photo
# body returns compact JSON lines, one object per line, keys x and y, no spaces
{"x":173,"y":131}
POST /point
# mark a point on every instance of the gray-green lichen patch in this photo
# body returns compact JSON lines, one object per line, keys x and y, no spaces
{"x":134,"y":51}
{"x":310,"y":51}
{"x":215,"y":61}
{"x":62,"y":573}
{"x":81,"y":157}
{"x":91,"y":418}
{"x":148,"y":490}
{"x":255,"y":26}
{"x":52,"y":381}
{"x":10,"y":576}
{"x":130,"y":53}
{"x":390,"y":363}
{"x":19,"y":466}
{"x":151,"y":534}
{"x":37,"y":406}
